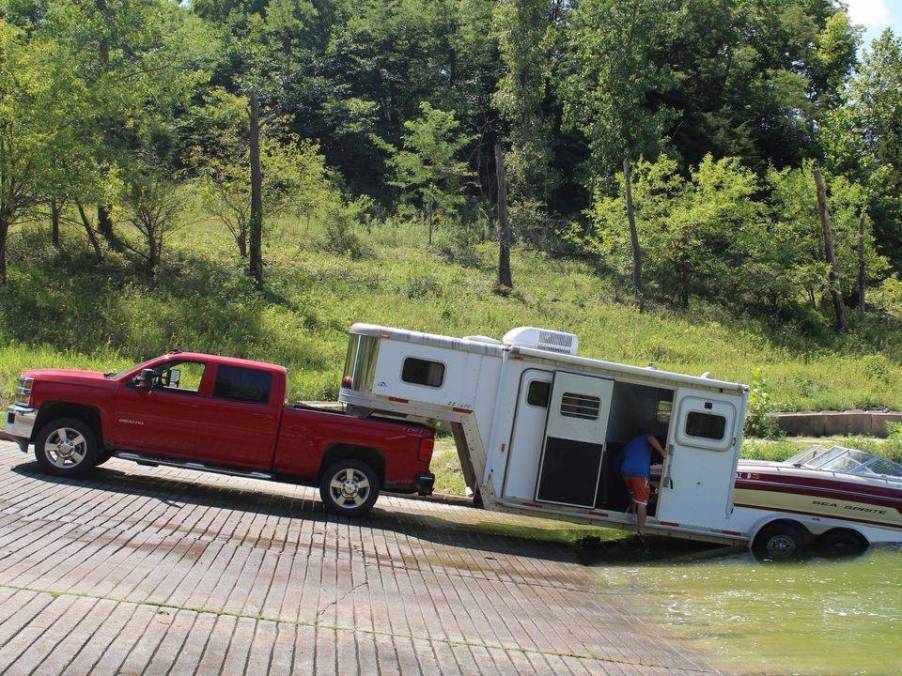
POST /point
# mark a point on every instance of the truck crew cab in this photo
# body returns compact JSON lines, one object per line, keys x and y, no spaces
{"x":217,"y":414}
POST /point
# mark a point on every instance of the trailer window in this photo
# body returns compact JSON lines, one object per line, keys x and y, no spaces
{"x":537,"y":394}
{"x":580,"y":406}
{"x":422,"y":372}
{"x":705,"y":425}
{"x":241,"y":384}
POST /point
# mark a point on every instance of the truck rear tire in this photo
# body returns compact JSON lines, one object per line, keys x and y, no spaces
{"x":66,"y":447}
{"x":779,"y":541}
{"x":349,"y":487}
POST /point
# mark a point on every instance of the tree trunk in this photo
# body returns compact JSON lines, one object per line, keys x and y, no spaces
{"x":105,"y":224}
{"x":634,"y":234}
{"x":829,"y":254}
{"x":861,"y":276}
{"x":429,"y":222}
{"x":241,"y":241}
{"x":153,"y":253}
{"x":55,"y":209}
{"x":255,"y":226}
{"x":85,"y":221}
{"x":104,"y":220}
{"x":4,"y":231}
{"x":504,"y":231}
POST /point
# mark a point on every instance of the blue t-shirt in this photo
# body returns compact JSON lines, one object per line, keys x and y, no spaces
{"x":637,"y":457}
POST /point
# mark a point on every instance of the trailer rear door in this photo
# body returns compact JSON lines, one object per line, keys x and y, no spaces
{"x":698,"y":476}
{"x":574,"y":443}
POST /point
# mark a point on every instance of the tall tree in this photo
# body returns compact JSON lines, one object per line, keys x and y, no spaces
{"x":829,"y":252}
{"x":266,"y":45}
{"x":612,"y":77}
{"x":428,"y":166}
{"x":870,"y":138}
{"x":30,"y":126}
{"x":505,"y":280}
{"x":606,"y":94}
{"x":523,"y":28}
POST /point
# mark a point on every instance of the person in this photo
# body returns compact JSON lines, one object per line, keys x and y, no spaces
{"x":636,"y":471}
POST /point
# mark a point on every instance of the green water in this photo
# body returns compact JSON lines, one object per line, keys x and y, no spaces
{"x":816,"y":616}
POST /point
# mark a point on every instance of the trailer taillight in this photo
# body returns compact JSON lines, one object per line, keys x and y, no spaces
{"x":426,"y":446}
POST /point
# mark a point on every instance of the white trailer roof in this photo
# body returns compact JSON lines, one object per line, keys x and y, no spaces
{"x":573,"y":361}
{"x":432,"y":339}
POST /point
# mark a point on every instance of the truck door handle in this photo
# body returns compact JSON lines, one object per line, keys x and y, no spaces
{"x":262,"y":415}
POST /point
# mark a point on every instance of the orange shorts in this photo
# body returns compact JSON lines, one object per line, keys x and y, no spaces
{"x":638,"y":488}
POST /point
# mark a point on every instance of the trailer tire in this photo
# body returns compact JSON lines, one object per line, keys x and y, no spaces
{"x":66,"y":447}
{"x":841,"y":542}
{"x":349,"y":487}
{"x":779,"y":541}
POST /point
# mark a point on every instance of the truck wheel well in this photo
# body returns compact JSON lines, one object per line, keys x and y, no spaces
{"x":372,"y":456}
{"x":54,"y":410}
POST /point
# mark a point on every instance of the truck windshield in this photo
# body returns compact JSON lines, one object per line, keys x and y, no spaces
{"x":113,"y":375}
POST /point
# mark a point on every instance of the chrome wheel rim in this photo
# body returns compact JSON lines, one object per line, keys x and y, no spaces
{"x":349,"y":488}
{"x":65,"y":448}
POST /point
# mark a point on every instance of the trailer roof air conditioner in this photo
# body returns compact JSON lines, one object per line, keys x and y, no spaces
{"x":542,"y":339}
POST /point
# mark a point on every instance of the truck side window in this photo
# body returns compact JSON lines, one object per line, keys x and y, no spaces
{"x":422,"y":372}
{"x":182,"y":376}
{"x":580,"y":406}
{"x":537,"y":394}
{"x":242,"y":384}
{"x":705,"y":425}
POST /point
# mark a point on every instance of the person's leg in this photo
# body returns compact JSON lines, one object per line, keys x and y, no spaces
{"x":639,"y":490}
{"x":641,"y":511}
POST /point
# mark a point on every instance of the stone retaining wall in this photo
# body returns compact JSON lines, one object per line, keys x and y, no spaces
{"x":837,"y":423}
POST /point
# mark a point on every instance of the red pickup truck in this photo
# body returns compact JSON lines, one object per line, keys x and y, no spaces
{"x":215,"y":414}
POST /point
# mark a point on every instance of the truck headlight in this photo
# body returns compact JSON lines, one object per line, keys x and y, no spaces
{"x":23,"y":391}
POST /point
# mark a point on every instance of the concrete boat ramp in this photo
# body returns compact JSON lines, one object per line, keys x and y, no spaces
{"x":150,"y":571}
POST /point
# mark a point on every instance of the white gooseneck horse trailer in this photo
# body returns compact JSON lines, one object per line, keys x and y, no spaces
{"x":539,"y":429}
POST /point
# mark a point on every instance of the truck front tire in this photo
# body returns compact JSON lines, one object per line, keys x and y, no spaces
{"x":349,"y":487}
{"x":66,"y":447}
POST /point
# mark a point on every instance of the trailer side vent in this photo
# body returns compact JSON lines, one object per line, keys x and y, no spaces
{"x":542,"y":339}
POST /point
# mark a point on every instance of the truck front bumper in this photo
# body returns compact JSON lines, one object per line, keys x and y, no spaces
{"x":425,"y":482}
{"x":20,"y":424}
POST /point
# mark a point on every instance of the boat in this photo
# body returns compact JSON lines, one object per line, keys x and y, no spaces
{"x":828,"y":483}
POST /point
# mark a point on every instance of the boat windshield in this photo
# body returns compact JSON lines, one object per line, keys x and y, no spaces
{"x":847,"y":461}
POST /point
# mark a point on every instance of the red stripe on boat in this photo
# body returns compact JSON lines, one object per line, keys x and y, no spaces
{"x":881,"y":524}
{"x":833,"y":491}
{"x":814,"y":482}
{"x":398,"y":400}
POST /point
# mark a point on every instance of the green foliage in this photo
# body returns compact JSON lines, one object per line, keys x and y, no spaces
{"x":724,"y":234}
{"x":611,"y":76}
{"x":758,"y":419}
{"x":525,"y":44}
{"x":58,"y":303}
{"x":296,"y":182}
{"x":427,"y":168}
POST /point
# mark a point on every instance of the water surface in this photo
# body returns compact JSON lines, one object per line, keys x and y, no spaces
{"x":817,"y":616}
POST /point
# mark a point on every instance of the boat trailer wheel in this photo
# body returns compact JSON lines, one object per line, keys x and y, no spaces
{"x":779,"y":541}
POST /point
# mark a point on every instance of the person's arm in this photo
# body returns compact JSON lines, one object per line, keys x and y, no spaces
{"x":657,"y":446}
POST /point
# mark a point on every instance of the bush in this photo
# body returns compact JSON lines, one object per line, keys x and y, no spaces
{"x":758,"y":420}
{"x":340,"y":229}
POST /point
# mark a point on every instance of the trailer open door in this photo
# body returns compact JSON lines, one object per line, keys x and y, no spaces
{"x":699,"y":473}
{"x":574,"y":444}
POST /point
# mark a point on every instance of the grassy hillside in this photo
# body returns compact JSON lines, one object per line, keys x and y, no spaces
{"x":62,"y":309}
